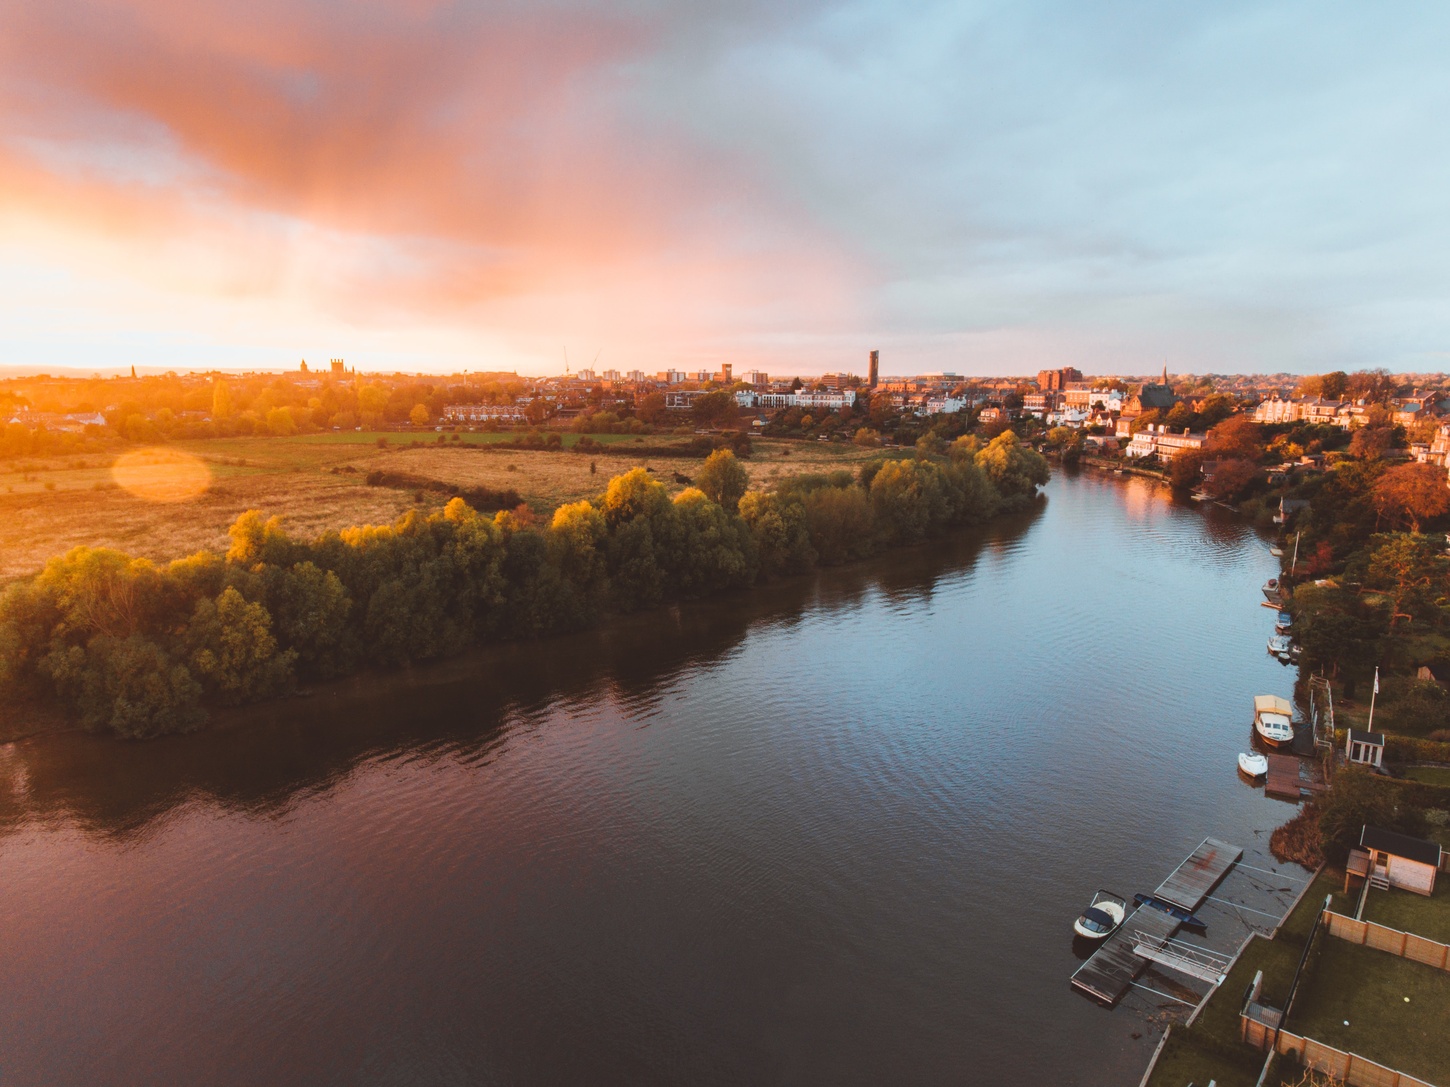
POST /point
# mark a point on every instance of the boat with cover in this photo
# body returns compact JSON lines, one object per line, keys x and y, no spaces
{"x":1253,"y":764}
{"x":1102,"y":917}
{"x":1272,"y":720}
{"x":1280,"y":645}
{"x":1283,"y":623}
{"x":1184,"y":917}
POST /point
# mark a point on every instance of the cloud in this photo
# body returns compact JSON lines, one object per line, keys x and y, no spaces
{"x":978,"y":186}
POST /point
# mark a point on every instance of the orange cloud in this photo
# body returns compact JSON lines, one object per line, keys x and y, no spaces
{"x":392,"y":158}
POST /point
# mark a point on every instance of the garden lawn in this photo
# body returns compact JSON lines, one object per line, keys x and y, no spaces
{"x":1409,"y":912}
{"x":1368,"y":989}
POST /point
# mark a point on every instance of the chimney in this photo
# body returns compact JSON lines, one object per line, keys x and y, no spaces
{"x":875,"y":368}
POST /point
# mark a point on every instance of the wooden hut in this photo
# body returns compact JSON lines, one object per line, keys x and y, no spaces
{"x":1365,"y":748}
{"x":1397,"y":860}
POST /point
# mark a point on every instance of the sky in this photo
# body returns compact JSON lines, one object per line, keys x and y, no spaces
{"x":973,"y":187}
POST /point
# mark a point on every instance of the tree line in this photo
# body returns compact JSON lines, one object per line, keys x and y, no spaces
{"x":139,"y":648}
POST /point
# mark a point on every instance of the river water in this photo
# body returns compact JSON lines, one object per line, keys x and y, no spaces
{"x":831,"y":832}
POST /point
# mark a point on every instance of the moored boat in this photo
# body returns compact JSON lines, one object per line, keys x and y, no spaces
{"x":1283,"y":622}
{"x":1273,"y":720}
{"x":1187,"y":919}
{"x":1280,"y":645}
{"x":1102,"y":916}
{"x":1276,"y":551}
{"x":1253,"y":764}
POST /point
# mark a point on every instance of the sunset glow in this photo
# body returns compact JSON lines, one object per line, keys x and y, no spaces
{"x":161,"y":475}
{"x":434,"y":186}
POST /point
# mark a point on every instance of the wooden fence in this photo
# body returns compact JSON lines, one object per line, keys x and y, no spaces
{"x":1404,"y":944}
{"x":1351,"y":1068}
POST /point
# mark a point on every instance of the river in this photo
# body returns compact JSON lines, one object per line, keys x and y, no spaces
{"x":829,"y":832}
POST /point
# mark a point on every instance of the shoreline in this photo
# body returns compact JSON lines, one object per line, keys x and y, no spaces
{"x":39,"y":720}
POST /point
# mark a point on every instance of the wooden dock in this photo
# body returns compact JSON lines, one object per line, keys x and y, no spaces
{"x":1107,"y":975}
{"x":1291,"y":776}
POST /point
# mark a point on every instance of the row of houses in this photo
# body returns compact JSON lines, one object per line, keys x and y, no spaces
{"x":1404,"y":410}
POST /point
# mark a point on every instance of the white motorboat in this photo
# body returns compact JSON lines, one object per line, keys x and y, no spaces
{"x":1253,"y":764}
{"x":1273,"y":720}
{"x":1276,"y":551}
{"x":1280,"y":645}
{"x":1102,"y":917}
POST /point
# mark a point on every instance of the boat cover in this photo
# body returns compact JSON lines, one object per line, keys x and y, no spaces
{"x":1272,"y":703}
{"x":1098,"y":917}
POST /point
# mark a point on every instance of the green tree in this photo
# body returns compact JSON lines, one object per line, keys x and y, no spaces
{"x":231,"y":650}
{"x":419,"y":415}
{"x":1356,"y":799}
{"x":1015,"y":470}
{"x":723,"y":479}
{"x":782,"y":538}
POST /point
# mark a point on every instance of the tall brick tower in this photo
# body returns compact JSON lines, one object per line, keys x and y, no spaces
{"x":875,"y":369}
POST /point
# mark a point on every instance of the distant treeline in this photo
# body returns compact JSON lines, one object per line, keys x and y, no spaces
{"x":479,"y":497}
{"x":142,"y":649}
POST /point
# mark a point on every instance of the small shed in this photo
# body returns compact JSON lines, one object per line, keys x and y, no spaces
{"x":1365,"y":748}
{"x":1399,"y":860}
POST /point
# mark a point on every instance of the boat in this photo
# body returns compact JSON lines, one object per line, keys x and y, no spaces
{"x":1102,"y":917}
{"x":1272,"y":720}
{"x":1253,"y":764}
{"x":1273,"y":591}
{"x":1276,"y":551}
{"x":1280,"y":645}
{"x":1283,"y":623}
{"x":1184,"y":917}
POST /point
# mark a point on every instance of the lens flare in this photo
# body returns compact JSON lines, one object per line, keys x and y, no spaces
{"x":161,"y":475}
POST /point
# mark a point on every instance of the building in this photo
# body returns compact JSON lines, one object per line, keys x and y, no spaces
{"x":757,"y":378}
{"x":1082,"y":396}
{"x":1159,"y":442}
{"x":482,"y":413}
{"x":672,"y":377}
{"x":1041,"y":403}
{"x":680,"y":399}
{"x":1365,"y":748}
{"x":944,"y":405}
{"x":992,"y":415}
{"x":1057,"y":380}
{"x":338,"y":369}
{"x":610,"y":375}
{"x":637,"y":376}
{"x":875,"y":370}
{"x":724,"y":376}
{"x":1397,"y":860}
{"x":1151,"y":397}
{"x":833,"y":399}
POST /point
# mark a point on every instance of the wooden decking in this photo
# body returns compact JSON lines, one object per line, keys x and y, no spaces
{"x":1292,"y":776}
{"x":1191,"y":881}
{"x":1114,"y":967}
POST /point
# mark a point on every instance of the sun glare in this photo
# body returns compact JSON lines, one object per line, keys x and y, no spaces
{"x":162,"y":475}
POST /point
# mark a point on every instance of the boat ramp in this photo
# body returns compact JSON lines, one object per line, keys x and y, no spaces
{"x":1147,"y":933}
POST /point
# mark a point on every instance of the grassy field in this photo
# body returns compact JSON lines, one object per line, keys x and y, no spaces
{"x":316,"y":482}
{"x":1388,"y":1009}
{"x":1432,"y":775}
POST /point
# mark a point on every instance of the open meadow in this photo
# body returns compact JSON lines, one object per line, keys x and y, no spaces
{"x":318,"y":482}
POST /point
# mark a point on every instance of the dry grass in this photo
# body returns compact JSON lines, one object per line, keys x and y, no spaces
{"x":50,"y":506}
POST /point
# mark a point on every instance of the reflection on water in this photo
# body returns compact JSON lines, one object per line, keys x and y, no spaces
{"x":834,"y":831}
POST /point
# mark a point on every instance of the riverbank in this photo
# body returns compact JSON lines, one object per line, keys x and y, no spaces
{"x":140,"y":650}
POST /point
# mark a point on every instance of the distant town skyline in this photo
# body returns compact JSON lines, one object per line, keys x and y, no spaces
{"x":980,"y":188}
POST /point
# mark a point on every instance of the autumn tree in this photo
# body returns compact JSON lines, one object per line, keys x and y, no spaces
{"x":419,"y":415}
{"x":1411,"y":493}
{"x":1370,"y":442}
{"x":1237,"y":436}
{"x":723,"y":479}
